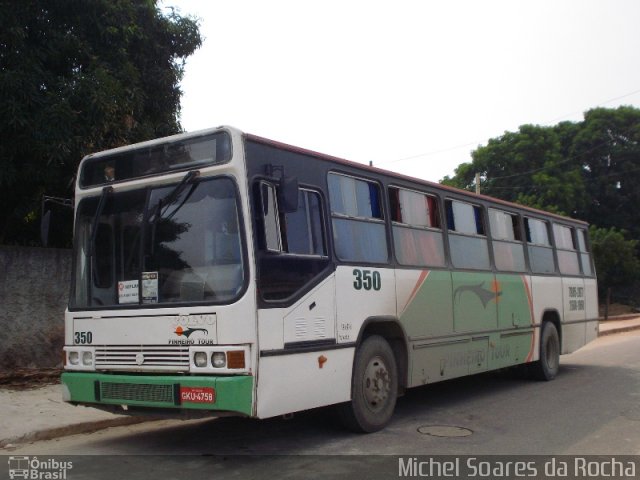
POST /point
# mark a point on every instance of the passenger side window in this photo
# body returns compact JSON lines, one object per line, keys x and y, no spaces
{"x":567,"y":250}
{"x":539,"y":246}
{"x":467,"y":238}
{"x":508,"y":250}
{"x":585,"y":257}
{"x":417,"y":233}
{"x":359,"y":232}
{"x":293,"y":248}
{"x":303,"y":228}
{"x":271,"y":217}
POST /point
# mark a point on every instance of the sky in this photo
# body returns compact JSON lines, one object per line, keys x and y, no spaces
{"x":412,"y":86}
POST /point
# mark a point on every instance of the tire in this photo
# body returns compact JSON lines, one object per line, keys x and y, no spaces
{"x":547,"y":367}
{"x":374,"y":387}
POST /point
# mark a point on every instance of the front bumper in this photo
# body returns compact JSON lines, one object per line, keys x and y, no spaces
{"x":214,"y":393}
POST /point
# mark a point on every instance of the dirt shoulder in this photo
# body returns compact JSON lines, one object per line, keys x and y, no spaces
{"x":29,"y":378}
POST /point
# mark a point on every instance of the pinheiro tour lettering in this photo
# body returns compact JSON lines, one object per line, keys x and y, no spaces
{"x":554,"y":467}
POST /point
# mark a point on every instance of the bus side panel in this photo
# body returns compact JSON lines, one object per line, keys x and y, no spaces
{"x":362,"y":293}
{"x":474,"y":301}
{"x":314,"y":317}
{"x":479,"y":297}
{"x":236,"y":323}
{"x":515,"y":341}
{"x":433,"y":362}
{"x":591,"y":308}
{"x":295,"y":382}
{"x":424,"y":302}
{"x":270,"y":328}
{"x":574,"y":326}
{"x":290,"y":379}
{"x":546,"y":297}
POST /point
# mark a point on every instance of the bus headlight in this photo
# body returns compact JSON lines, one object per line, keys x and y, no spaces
{"x":74,"y":358}
{"x":87,"y":358}
{"x":219,"y":360}
{"x":80,"y":358}
{"x":200,"y":359}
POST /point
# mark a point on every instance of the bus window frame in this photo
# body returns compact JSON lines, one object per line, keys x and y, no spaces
{"x":262,"y":252}
{"x":383,"y":206}
{"x":446,"y":261}
{"x":455,"y":233}
{"x":550,"y":245}
{"x":522,"y":242}
{"x":575,"y":250}
{"x":586,"y":252}
{"x":263,"y":215}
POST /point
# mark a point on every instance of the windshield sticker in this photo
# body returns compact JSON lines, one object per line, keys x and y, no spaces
{"x":149,"y":287}
{"x":128,"y":291}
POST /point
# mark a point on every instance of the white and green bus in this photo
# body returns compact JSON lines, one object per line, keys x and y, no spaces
{"x":218,"y":272}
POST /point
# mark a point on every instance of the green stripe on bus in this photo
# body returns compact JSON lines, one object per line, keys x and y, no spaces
{"x":232,"y":393}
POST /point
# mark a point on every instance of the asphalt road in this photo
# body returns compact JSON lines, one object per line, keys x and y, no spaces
{"x":592,"y":407}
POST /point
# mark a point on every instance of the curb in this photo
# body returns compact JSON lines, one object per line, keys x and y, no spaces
{"x":624,"y":316}
{"x":75,"y":429}
{"x":618,"y":330}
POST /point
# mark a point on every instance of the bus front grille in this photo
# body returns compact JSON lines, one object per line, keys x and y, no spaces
{"x":138,"y":392}
{"x":142,"y":357}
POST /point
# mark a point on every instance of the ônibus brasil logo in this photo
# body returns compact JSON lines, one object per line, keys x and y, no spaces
{"x":33,"y":468}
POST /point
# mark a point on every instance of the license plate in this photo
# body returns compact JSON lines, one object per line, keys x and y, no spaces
{"x":197,"y":394}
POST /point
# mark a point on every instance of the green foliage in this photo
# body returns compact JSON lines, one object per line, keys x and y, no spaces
{"x":615,"y":258}
{"x":76,"y":78}
{"x":607,"y":148}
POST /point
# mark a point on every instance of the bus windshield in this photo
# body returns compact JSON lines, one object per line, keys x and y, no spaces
{"x":166,"y":244}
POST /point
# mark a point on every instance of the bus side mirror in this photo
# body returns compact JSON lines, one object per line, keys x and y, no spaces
{"x":62,"y":218}
{"x":288,"y":193}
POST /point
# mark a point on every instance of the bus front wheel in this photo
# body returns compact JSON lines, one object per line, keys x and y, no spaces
{"x":374,"y":387}
{"x":547,"y":367}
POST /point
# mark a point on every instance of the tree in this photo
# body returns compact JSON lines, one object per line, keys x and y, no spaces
{"x":607,"y":147}
{"x":615,"y":258}
{"x":79,"y":78}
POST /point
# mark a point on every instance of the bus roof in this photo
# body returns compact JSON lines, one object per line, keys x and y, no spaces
{"x":389,"y":173}
{"x":338,"y":161}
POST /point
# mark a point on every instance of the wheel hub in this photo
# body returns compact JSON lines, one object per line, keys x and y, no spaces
{"x":376,"y":384}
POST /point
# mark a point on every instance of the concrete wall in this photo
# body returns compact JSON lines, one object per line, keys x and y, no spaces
{"x":34,"y":288}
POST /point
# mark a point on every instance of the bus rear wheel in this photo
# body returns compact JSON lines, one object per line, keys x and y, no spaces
{"x":374,"y":387}
{"x":547,"y":367}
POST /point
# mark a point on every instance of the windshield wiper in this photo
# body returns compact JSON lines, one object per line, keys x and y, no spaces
{"x":106,"y":191}
{"x":172,"y":196}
